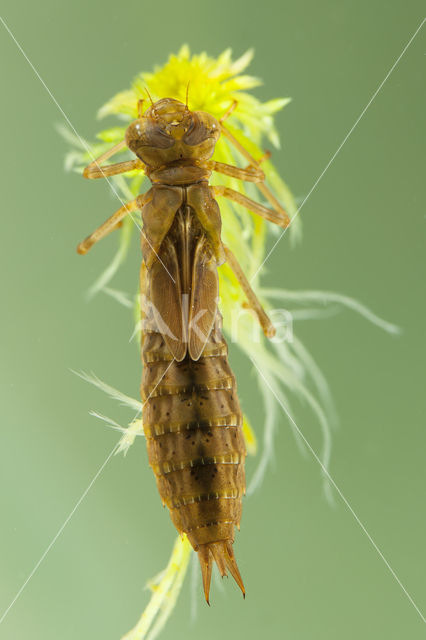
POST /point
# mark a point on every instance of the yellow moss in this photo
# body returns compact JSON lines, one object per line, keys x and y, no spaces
{"x":165,"y":589}
{"x":249,"y":437}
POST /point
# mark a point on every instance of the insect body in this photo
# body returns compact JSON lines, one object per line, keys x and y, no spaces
{"x":191,"y":415}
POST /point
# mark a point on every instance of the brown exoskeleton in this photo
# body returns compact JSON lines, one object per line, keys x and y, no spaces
{"x":191,"y":415}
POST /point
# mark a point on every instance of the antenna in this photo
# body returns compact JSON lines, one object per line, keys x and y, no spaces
{"x":149,"y":96}
{"x":187,"y":95}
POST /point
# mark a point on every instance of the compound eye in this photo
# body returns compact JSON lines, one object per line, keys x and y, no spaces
{"x":203,"y":126}
{"x":147,"y":134}
{"x":159,"y":139}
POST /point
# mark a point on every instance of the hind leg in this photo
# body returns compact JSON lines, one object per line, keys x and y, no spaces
{"x":253,"y":301}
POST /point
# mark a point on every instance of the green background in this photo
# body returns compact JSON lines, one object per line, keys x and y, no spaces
{"x":310,"y":571}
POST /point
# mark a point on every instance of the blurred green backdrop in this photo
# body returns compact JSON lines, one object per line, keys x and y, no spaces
{"x":310,"y":571}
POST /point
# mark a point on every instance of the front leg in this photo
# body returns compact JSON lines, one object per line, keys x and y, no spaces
{"x":255,"y":163}
{"x":94,"y":169}
{"x":249,"y":174}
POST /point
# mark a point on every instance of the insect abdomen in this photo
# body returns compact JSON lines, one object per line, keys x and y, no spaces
{"x":193,"y":427}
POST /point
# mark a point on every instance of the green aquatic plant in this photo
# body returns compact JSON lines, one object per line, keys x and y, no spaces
{"x":291,"y":372}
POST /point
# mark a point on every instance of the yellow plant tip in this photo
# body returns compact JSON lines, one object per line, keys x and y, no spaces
{"x":243,"y":62}
{"x":134,"y":429}
{"x":112,"y":392}
{"x":165,"y":588}
{"x":214,"y":83}
{"x":249,"y":437}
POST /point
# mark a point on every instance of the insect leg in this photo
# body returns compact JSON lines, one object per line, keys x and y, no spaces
{"x":94,"y":169}
{"x":143,"y":278}
{"x":249,"y":174}
{"x":111,"y":224}
{"x":269,"y":214}
{"x":253,"y":301}
{"x":93,"y":172}
{"x":255,"y":163}
{"x":229,"y":110}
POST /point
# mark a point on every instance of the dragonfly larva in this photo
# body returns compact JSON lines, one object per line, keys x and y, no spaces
{"x":191,"y":414}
